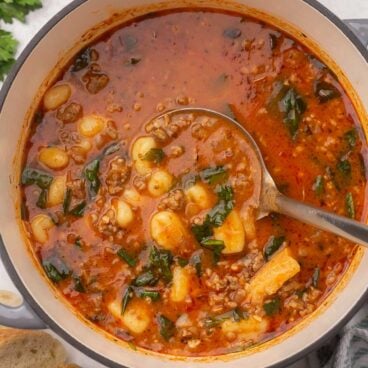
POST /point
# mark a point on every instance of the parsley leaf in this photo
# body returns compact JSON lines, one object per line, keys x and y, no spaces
{"x":18,"y":9}
{"x":8,"y":48}
{"x":10,"y":9}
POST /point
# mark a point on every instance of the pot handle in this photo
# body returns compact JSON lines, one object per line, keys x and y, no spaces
{"x":21,"y":315}
{"x":360,"y":28}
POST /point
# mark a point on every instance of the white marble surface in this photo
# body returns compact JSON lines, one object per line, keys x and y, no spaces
{"x":346,"y":9}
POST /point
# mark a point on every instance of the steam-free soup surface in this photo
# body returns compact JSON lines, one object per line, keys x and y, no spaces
{"x":149,"y":229}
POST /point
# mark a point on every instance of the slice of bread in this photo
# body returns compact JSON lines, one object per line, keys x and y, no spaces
{"x":30,"y":349}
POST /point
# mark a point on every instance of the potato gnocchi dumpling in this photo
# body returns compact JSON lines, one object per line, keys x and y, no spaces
{"x":56,"y":191}
{"x":199,"y":195}
{"x":40,"y":225}
{"x":160,"y":183}
{"x":180,"y":284}
{"x":136,"y":318}
{"x":124,"y":213}
{"x":54,"y":158}
{"x":91,"y":125}
{"x":167,"y":229}
{"x":56,"y":96}
{"x":140,"y":148}
{"x":231,"y":232}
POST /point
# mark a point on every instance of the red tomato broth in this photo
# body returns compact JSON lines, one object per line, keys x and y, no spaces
{"x":184,"y":58}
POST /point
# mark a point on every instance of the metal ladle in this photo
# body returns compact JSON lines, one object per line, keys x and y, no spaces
{"x":271,"y":200}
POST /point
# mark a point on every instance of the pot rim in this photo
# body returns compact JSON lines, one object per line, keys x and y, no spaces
{"x":6,"y":258}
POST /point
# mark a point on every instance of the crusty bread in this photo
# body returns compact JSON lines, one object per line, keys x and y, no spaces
{"x":30,"y":349}
{"x":69,"y":366}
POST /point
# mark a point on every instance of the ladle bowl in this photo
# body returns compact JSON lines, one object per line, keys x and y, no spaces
{"x":271,"y":200}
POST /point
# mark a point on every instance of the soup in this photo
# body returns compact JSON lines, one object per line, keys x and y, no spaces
{"x":148,"y":226}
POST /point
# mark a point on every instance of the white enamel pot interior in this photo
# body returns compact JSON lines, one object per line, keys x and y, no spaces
{"x":33,"y":68}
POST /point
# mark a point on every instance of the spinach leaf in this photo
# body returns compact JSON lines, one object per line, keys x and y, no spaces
{"x":214,"y":175}
{"x":232,"y":33}
{"x":127,"y":297}
{"x":279,"y":90}
{"x":145,"y":279}
{"x":182,"y":262}
{"x":155,"y":155}
{"x":272,"y":307}
{"x":34,"y":176}
{"x":67,"y":201}
{"x":151,"y":294}
{"x":285,"y":100}
{"x":215,"y":218}
{"x":82,"y":60}
{"x":315,"y":277}
{"x":42,"y":199}
{"x":202,"y":231}
{"x":272,"y":245}
{"x":128,"y":258}
{"x":218,"y":214}
{"x":78,"y":210}
{"x":215,"y":246}
{"x":325,"y":91}
{"x":236,"y":315}
{"x":293,"y":106}
{"x":91,"y":172}
{"x":349,"y":205}
{"x":350,"y":138}
{"x":167,"y":327}
{"x":343,"y":171}
{"x":160,"y":261}
{"x":319,"y":185}
{"x":55,"y":270}
{"x":78,"y":285}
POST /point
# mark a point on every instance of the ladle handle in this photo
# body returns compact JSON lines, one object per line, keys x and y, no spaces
{"x":349,"y":229}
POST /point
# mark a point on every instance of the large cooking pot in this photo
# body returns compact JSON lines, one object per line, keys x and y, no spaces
{"x":67,"y":32}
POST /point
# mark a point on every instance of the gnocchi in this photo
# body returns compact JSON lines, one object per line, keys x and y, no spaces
{"x":136,"y":317}
{"x":124,"y":213}
{"x":91,"y":125}
{"x":54,"y":158}
{"x":199,"y":195}
{"x":56,"y":191}
{"x":139,"y":149}
{"x":180,"y":285}
{"x":167,"y":229}
{"x":248,"y":329}
{"x":56,"y":96}
{"x":40,"y":225}
{"x":231,"y":232}
{"x":132,"y":197}
{"x":273,"y":275}
{"x":160,"y":183}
